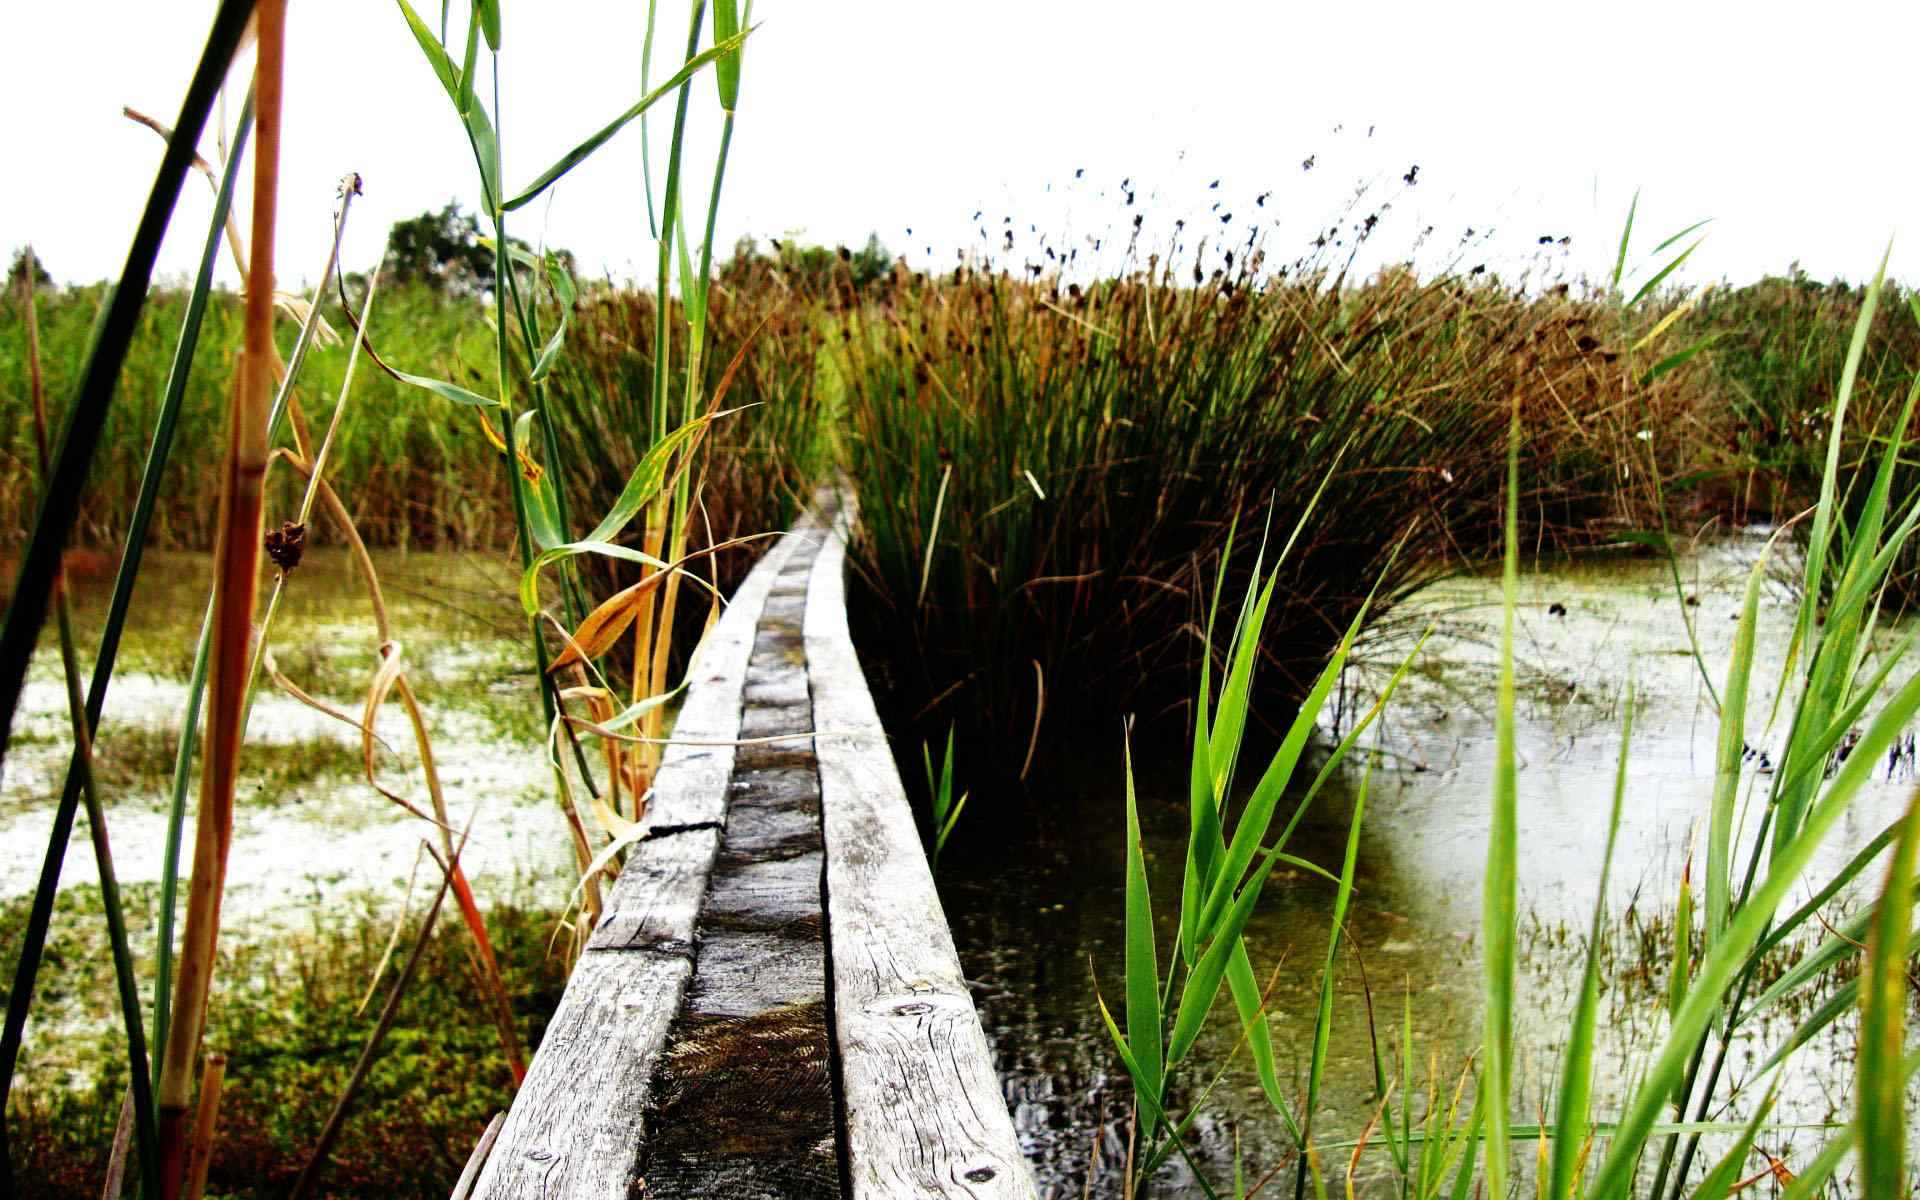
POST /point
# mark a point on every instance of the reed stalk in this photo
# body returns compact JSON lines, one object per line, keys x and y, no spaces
{"x":185,"y":750}
{"x":237,"y":553}
{"x":206,"y":1123}
{"x":27,"y":606}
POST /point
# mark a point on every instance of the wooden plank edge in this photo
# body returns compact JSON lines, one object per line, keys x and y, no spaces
{"x":575,"y":1128}
{"x":923,"y":1113}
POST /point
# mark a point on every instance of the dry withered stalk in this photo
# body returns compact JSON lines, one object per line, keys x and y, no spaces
{"x":204,"y":1125}
{"x":237,"y":563}
{"x":391,"y":679}
{"x":310,"y":460}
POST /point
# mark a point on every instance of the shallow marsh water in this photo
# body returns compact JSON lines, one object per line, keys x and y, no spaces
{"x":1037,"y":920}
{"x":316,"y":852}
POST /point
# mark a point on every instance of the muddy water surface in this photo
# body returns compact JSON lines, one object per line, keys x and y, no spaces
{"x":1040,"y":922}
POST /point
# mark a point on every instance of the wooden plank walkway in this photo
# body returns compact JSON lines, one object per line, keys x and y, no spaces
{"x":771,"y":1005}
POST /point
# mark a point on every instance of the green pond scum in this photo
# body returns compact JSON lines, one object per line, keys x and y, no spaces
{"x":292,"y":1025}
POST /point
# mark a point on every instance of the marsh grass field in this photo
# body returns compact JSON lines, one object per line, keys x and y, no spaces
{"x":1564,"y":619}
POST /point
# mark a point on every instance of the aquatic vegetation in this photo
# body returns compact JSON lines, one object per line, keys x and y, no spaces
{"x":1086,"y":446}
{"x":1222,"y":882}
{"x":291,"y":1026}
{"x":1694,"y":1107}
{"x":946,"y":809}
{"x":1779,"y":351}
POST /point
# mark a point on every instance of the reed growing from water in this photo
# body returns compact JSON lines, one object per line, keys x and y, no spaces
{"x":1085,"y":447}
{"x":1840,"y":711}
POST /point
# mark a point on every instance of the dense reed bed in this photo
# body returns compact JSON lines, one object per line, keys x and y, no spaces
{"x":420,"y":468}
{"x":1779,"y":347}
{"x":1696,"y":1110}
{"x":1048,"y":471}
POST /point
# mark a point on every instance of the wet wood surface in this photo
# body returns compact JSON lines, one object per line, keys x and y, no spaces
{"x":771,"y":1005}
{"x":577,"y":1126}
{"x":743,"y":1103}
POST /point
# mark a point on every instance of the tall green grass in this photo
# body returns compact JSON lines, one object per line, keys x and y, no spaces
{"x":1084,"y":448}
{"x":1683,"y":1098}
{"x":418,"y":465}
{"x":533,"y":305}
{"x":1229,"y":858}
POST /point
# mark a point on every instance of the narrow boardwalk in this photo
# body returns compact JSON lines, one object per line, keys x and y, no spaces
{"x":743,"y":1102}
{"x":771,"y":1005}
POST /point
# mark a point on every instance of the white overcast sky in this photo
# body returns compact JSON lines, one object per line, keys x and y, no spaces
{"x":1791,"y":125}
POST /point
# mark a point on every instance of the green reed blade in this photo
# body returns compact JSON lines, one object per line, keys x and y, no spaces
{"x":463,"y":99}
{"x":580,"y":153}
{"x":488,"y":12}
{"x":1719,"y":1182}
{"x":1881,"y":1084}
{"x":33,"y":583}
{"x":726,"y":73}
{"x":1626,"y":235}
{"x":1197,"y":994}
{"x":1660,"y":276}
{"x":1144,"y":1029}
{"x":1823,"y":518}
{"x":126,"y":983}
{"x":1251,"y":1006}
{"x":1323,"y":1020}
{"x":1674,"y":238}
{"x":1720,"y":965}
{"x":1572,"y":1111}
{"x":1730,"y":758}
{"x":480,"y":134}
{"x":1499,"y":916}
{"x":1251,"y":828}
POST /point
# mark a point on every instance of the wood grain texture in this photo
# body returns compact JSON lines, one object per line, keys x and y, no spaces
{"x":691,"y":785}
{"x":923,"y":1111}
{"x":743,"y":1097}
{"x":577,"y":1126}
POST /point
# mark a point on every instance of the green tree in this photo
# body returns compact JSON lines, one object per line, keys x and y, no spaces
{"x":441,"y":250}
{"x":41,"y":280}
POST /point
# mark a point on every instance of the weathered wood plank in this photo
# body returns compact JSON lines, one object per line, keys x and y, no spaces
{"x":577,"y":1126}
{"x":923,"y":1114}
{"x":656,"y":900}
{"x":691,"y":785}
{"x":743,"y":1099}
